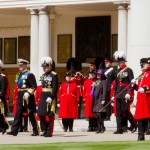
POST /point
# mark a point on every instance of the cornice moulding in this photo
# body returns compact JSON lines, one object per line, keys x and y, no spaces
{"x":41,"y":3}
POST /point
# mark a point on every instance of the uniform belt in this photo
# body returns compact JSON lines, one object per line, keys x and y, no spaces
{"x":23,"y":89}
{"x":46,"y":89}
{"x":123,"y":84}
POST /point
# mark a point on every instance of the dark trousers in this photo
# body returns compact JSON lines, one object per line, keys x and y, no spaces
{"x":108,"y":108}
{"x":92,"y":123}
{"x":100,"y":122}
{"x":47,"y":125}
{"x":18,"y":117}
{"x":3,"y":123}
{"x":24,"y":123}
{"x":142,"y":128}
{"x":123,"y":110}
{"x":68,"y":123}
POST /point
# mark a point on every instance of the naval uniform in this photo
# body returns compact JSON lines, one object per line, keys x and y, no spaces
{"x":26,"y":83}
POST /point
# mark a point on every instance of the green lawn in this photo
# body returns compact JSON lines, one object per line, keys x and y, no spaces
{"x":145,"y":145}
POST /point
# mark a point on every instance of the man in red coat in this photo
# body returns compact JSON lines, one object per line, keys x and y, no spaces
{"x":68,"y":101}
{"x":142,"y":112}
{"x":87,"y":98}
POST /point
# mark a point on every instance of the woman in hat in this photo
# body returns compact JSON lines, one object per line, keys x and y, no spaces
{"x":99,"y":98}
{"x":68,"y":102}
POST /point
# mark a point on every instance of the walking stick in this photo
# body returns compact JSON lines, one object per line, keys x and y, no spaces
{"x":58,"y":121}
{"x":116,"y":96}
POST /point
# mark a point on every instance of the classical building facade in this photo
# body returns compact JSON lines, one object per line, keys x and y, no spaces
{"x":36,"y":28}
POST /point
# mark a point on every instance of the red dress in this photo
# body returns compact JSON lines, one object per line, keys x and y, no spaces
{"x":68,"y":99}
{"x":87,"y":97}
{"x":143,"y":99}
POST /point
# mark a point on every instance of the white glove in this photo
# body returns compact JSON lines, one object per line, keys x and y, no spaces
{"x":127,"y":96}
{"x":48,"y":100}
{"x":141,"y":90}
{"x":113,"y":98}
{"x":26,"y":95}
{"x":112,"y":104}
{"x":58,"y":105}
{"x":133,"y":81}
{"x":0,"y":100}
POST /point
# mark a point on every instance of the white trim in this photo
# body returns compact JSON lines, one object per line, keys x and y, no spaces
{"x":30,"y":3}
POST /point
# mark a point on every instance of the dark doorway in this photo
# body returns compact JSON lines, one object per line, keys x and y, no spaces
{"x":93,"y":37}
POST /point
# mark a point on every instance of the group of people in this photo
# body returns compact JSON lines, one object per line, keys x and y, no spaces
{"x":97,"y":91}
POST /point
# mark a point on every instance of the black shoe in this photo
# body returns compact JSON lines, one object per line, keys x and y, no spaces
{"x":98,"y":131}
{"x":3,"y":131}
{"x":70,"y":130}
{"x":43,"y":134}
{"x":118,"y":132}
{"x":47,"y":135}
{"x":141,"y":139}
{"x":12,"y":133}
{"x":103,"y":129}
{"x":34,"y":134}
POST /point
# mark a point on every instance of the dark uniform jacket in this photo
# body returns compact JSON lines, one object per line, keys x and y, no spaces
{"x":3,"y":88}
{"x":49,"y":83}
{"x":110,"y":74}
{"x":123,"y":79}
{"x":26,"y":83}
{"x":99,"y":96}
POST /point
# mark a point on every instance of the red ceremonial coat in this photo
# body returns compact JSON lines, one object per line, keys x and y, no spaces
{"x":68,"y":99}
{"x":143,"y":99}
{"x":87,"y":97}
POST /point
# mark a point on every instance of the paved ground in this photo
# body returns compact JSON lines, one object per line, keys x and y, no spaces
{"x":79,"y":135}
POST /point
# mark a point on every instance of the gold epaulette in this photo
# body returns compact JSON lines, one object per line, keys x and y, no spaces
{"x":54,"y":73}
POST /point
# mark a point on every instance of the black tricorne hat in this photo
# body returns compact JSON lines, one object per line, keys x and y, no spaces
{"x":145,"y":60}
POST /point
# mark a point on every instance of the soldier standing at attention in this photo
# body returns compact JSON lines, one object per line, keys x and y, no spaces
{"x":47,"y":103}
{"x":123,"y":79}
{"x":3,"y":89}
{"x":26,"y":87}
{"x":110,"y":77}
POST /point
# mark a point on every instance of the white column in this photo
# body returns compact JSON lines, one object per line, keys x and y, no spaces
{"x":44,"y":36}
{"x":139,"y":45}
{"x":34,"y":46}
{"x":122,"y":28}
